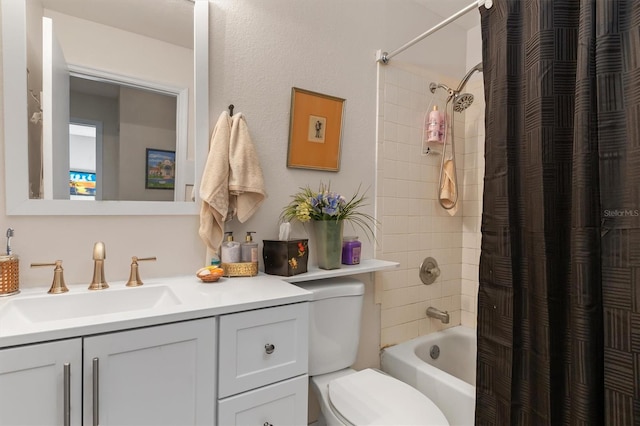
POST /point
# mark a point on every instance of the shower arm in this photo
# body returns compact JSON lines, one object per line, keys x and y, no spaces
{"x":453,"y":93}
{"x":465,"y":79}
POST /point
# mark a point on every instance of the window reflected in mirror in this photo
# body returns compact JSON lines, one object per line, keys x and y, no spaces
{"x":82,"y":161}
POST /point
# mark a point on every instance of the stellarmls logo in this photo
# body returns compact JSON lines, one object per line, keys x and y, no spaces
{"x":621,"y":212}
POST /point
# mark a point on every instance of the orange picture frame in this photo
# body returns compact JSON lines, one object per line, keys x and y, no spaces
{"x":315,"y":130}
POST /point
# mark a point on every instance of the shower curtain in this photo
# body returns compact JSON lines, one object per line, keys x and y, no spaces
{"x":559,"y":299}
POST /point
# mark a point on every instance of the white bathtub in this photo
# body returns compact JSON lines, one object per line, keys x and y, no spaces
{"x":450,"y":380}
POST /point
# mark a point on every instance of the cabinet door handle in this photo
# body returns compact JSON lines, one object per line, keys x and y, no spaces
{"x":269,"y":348}
{"x":96,"y":390}
{"x":66,"y":373}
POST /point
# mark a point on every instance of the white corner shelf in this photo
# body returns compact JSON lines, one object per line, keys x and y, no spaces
{"x":368,"y":265}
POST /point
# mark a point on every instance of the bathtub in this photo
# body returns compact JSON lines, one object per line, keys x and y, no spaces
{"x":449,"y":380}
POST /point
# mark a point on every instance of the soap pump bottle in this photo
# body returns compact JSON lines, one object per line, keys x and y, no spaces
{"x":249,"y":249}
{"x":230,"y":250}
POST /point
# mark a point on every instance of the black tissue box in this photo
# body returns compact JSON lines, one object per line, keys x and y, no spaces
{"x":285,"y":258}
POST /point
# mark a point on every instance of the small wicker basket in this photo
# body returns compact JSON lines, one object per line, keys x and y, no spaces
{"x":209,"y":276}
{"x":9,"y":275}
{"x":241,"y":269}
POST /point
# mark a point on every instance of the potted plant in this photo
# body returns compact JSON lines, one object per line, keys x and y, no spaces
{"x":327,"y":211}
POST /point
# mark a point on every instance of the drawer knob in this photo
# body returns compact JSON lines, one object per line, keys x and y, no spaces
{"x":269,"y":348}
{"x":266,"y":424}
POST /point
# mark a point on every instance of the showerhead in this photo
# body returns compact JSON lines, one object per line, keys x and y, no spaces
{"x":462,"y":102}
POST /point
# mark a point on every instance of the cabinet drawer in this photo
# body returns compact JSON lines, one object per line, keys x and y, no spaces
{"x":262,"y":347}
{"x":283,"y":403}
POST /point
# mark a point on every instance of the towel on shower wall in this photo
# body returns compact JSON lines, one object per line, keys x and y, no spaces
{"x":449,"y":190}
{"x":214,"y":185}
{"x":232,"y":182}
{"x":246,"y":183}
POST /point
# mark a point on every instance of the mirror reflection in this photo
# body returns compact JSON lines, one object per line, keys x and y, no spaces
{"x":109,"y":80}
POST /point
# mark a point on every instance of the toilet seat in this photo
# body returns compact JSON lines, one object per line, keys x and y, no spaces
{"x":369,"y":397}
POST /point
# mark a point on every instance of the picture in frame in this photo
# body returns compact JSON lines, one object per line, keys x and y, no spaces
{"x":315,"y":130}
{"x":160,"y":169}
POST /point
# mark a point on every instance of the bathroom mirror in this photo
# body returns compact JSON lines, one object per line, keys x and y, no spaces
{"x":188,"y":104}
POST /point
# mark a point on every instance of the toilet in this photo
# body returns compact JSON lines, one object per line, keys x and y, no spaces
{"x":347,"y":396}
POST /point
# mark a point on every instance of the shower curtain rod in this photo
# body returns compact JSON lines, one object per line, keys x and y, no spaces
{"x":384,"y":57}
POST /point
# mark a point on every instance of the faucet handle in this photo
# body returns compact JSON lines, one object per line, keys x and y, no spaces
{"x":429,"y":270}
{"x":57,"y":286}
{"x":134,"y":276}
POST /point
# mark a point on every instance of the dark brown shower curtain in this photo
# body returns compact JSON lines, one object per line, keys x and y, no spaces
{"x":559,"y":299}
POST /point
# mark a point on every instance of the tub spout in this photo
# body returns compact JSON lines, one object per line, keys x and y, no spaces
{"x":438,"y":314}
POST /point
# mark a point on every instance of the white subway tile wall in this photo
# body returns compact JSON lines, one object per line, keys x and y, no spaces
{"x":413,"y":225}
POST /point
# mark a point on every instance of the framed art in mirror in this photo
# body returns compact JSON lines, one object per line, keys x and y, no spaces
{"x":160,"y":169}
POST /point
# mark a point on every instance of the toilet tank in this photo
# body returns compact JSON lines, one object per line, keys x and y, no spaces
{"x":335,"y":311}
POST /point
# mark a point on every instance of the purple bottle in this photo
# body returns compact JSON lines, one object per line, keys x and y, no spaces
{"x":351,"y":249}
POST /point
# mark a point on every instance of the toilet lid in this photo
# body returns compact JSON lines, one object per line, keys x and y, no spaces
{"x":369,"y":397}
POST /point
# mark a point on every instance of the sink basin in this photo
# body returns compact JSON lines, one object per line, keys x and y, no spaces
{"x":75,"y":305}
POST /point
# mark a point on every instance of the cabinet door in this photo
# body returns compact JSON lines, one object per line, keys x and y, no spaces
{"x":41,"y":383}
{"x":283,"y":403}
{"x":163,"y":375}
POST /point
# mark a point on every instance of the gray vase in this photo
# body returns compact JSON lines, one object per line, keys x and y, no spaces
{"x":328,"y":243}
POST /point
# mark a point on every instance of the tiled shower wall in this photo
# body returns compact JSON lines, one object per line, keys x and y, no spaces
{"x":413,"y":225}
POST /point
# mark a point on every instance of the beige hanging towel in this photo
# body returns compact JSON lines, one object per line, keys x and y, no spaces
{"x":449,"y":190}
{"x":214,"y":185}
{"x":246,"y":182}
{"x":232,"y":181}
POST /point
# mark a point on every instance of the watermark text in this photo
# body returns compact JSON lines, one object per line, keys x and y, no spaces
{"x":621,"y":212}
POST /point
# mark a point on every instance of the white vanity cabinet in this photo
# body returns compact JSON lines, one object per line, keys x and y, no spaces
{"x":230,"y":353}
{"x":160,"y":375}
{"x":263,"y":364}
{"x":39,"y":383}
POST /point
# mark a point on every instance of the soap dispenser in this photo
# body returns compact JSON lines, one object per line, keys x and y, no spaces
{"x":230,"y":250}
{"x":249,"y":249}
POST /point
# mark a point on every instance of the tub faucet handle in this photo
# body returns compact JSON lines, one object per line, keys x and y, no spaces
{"x":429,"y":270}
{"x":57,"y":286}
{"x":435,"y":271}
{"x":134,"y":276}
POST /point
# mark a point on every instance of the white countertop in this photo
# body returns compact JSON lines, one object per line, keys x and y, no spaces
{"x":178,"y":299}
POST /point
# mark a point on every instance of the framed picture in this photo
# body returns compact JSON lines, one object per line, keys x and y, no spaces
{"x":161,"y":169}
{"x":315,"y":130}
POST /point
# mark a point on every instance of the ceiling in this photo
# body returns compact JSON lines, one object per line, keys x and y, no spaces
{"x":168,"y":20}
{"x":447,"y":8}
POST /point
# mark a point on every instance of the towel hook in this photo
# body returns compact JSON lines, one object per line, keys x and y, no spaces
{"x":231,"y":107}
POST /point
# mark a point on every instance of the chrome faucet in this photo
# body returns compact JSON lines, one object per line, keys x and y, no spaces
{"x":438,"y":314}
{"x":99,"y":255}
